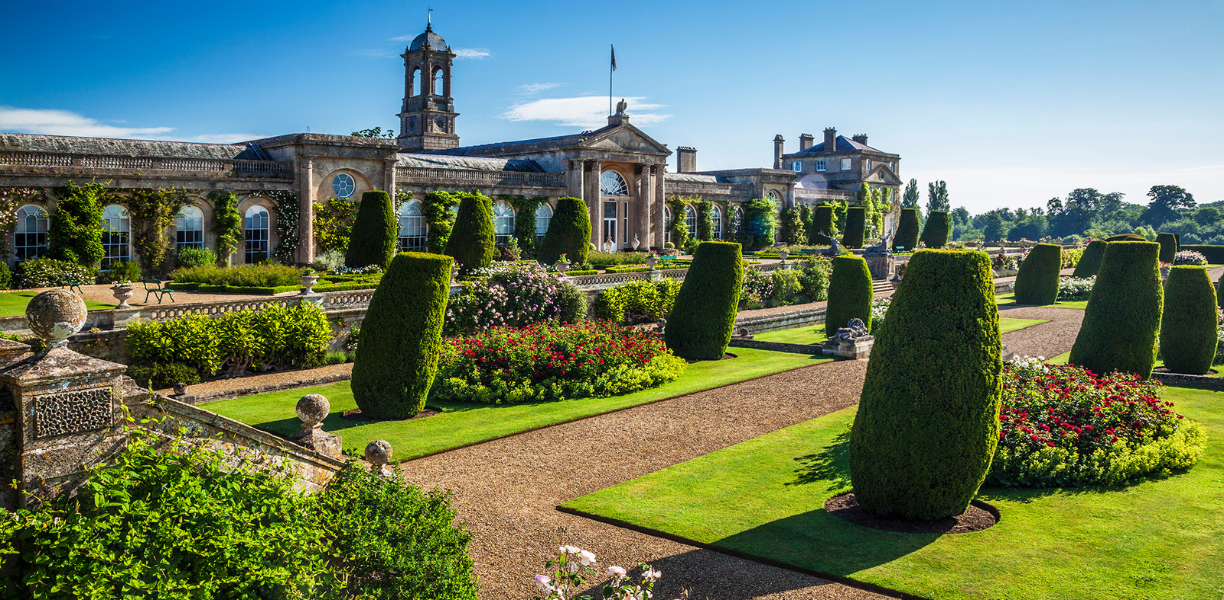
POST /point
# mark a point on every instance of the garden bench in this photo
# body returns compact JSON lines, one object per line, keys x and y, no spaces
{"x":70,"y":283}
{"x":663,"y":260}
{"x":156,"y":289}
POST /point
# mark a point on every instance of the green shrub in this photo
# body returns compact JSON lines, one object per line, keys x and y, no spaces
{"x":822,"y":222}
{"x":572,"y":302}
{"x":439,"y":218}
{"x":401,"y":335}
{"x":816,"y":272}
{"x":704,"y":314}
{"x":927,"y":422}
{"x":938,"y":226}
{"x":1122,"y":319}
{"x":75,"y":234}
{"x":514,"y":294}
{"x":333,"y":224}
{"x":1168,"y":246}
{"x":637,"y":301}
{"x":190,"y":256}
{"x":1090,"y":262}
{"x":6,"y":276}
{"x":164,"y":375}
{"x":124,"y":271}
{"x":1071,"y":257}
{"x":471,"y":243}
{"x":856,"y":227}
{"x":373,"y":238}
{"x":1188,"y":334}
{"x":906,"y":238}
{"x":850,"y":293}
{"x":46,"y":272}
{"x":265,"y":275}
{"x":569,"y":233}
{"x":1037,"y":280}
{"x":226,"y":223}
{"x":1213,"y":254}
{"x":758,"y":224}
{"x":603,"y":260}
{"x":1126,"y":237}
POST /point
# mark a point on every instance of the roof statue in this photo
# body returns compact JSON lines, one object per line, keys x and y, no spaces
{"x":621,"y":107}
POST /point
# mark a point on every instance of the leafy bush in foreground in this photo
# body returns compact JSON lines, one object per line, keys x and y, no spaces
{"x":1063,"y":426}
{"x":637,"y":301}
{"x":46,"y":272}
{"x":260,"y":275}
{"x":547,"y":361}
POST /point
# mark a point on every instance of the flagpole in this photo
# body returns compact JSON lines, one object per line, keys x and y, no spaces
{"x":611,"y":68}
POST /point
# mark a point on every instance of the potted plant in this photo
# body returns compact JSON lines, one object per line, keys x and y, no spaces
{"x":308,"y":280}
{"x":652,"y":259}
{"x":122,"y":290}
{"x":562,"y":264}
{"x":783,"y":253}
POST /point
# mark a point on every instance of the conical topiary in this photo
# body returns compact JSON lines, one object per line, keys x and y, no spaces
{"x":1037,"y":279}
{"x":700,"y":324}
{"x":372,"y":241}
{"x":569,"y":233}
{"x":401,"y":337}
{"x":472,"y":240}
{"x":1168,"y":246}
{"x":856,"y":227}
{"x":850,"y":293}
{"x":822,"y":222}
{"x":906,"y":238}
{"x":1090,"y":260}
{"x":1122,"y":319}
{"x":1188,"y":335}
{"x":928,"y":416}
{"x":938,"y":227}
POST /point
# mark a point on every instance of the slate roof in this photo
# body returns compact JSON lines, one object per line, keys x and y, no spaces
{"x":843,"y":144}
{"x":522,"y":165}
{"x":428,"y":40}
{"x":521,"y":146}
{"x":25,"y":142}
{"x":691,"y":178}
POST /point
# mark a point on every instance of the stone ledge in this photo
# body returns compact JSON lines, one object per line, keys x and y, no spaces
{"x":193,"y":399}
{"x":1198,"y":381}
{"x":815,"y":349}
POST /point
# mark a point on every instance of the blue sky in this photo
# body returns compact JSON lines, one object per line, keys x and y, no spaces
{"x":1010,"y":103}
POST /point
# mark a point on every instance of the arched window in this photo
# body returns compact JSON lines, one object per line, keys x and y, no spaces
{"x":612,"y":184}
{"x":412,"y":227}
{"x":256,"y":234}
{"x":343,"y":185}
{"x":438,"y":83}
{"x":116,"y":233}
{"x":503,"y":222}
{"x":666,"y":224}
{"x":716,"y":216}
{"x":543,"y":215}
{"x":777,"y":203}
{"x":30,"y":240}
{"x":189,"y":227}
{"x":690,"y":220}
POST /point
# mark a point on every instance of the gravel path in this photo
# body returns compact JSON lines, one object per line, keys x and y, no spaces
{"x":1046,"y":339}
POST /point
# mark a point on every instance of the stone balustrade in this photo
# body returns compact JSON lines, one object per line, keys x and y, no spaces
{"x":270,"y":169}
{"x":476,"y":177}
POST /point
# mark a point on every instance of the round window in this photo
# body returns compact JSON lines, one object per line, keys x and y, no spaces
{"x":343,"y":185}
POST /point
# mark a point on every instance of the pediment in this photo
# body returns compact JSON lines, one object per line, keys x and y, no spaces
{"x":625,"y":138}
{"x":883,"y":175}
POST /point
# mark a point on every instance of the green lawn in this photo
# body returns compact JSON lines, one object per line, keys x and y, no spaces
{"x":816,"y":335}
{"x":1162,"y":538}
{"x":13,"y":304}
{"x":461,"y":424}
{"x":1010,"y":300}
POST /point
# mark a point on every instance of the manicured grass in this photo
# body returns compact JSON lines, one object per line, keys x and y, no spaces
{"x":13,"y":304}
{"x":1161,"y":538}
{"x":1010,"y":300}
{"x":461,"y":424}
{"x":815,"y":335}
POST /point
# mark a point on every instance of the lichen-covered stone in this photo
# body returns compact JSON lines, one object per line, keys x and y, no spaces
{"x":312,"y":409}
{"x":56,"y":314}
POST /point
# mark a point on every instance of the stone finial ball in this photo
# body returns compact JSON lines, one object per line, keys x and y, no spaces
{"x":378,"y":452}
{"x":313,"y":408}
{"x":56,"y":314}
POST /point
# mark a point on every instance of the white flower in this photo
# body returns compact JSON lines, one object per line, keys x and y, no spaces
{"x":586,"y":557}
{"x":651,"y":575}
{"x":615,"y":571}
{"x":544,"y":582}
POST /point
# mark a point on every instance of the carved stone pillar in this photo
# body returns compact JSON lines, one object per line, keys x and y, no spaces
{"x":645,"y":197}
{"x":591,"y":196}
{"x":305,"y":198}
{"x":660,"y":222}
{"x":574,"y":179}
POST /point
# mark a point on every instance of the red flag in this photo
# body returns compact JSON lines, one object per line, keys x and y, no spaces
{"x":613,"y":58}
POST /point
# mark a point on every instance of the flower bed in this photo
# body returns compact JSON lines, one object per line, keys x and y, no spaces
{"x":1063,"y":426}
{"x":548,"y":361}
{"x":1189,"y":257}
{"x":1075,"y":288}
{"x":508,"y":294}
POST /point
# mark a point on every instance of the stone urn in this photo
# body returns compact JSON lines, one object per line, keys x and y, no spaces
{"x":454,"y":272}
{"x":308,"y":282}
{"x":562,"y":266}
{"x":1164,"y":273}
{"x":651,"y":261}
{"x":121,"y":292}
{"x":783,"y":254}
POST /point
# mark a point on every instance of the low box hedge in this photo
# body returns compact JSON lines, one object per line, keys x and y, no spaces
{"x":230,"y":289}
{"x":344,"y":287}
{"x":626,"y":269}
{"x":578,"y":273}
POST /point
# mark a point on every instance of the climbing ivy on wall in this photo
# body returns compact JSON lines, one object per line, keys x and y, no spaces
{"x":75,"y":234}
{"x":226,"y":223}
{"x":333,"y":223}
{"x":288,"y":224}
{"x":524,"y":221}
{"x":791,"y":229}
{"x":757,"y":230}
{"x":152,"y":213}
{"x":705,"y":219}
{"x":438,"y":216}
{"x":11,"y":200}
{"x":678,"y":228}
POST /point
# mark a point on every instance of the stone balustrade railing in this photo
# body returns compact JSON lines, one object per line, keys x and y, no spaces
{"x":475,"y":177}
{"x":238,"y":168}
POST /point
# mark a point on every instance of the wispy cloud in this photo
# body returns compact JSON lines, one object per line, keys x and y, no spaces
{"x":471,"y":52}
{"x":62,"y":122}
{"x":533,"y":88}
{"x":403,"y":38}
{"x":582,"y":111}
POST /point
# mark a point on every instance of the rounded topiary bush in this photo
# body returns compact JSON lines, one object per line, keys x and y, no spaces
{"x":1122,"y":319}
{"x":822,"y":221}
{"x":471,"y":242}
{"x":906,"y":238}
{"x":938,"y":226}
{"x":928,"y":417}
{"x":1168,"y":246}
{"x":1126,"y":237}
{"x":1188,"y":330}
{"x":569,"y":233}
{"x":372,"y":241}
{"x":1090,"y":261}
{"x":700,"y":324}
{"x":856,"y":227}
{"x":401,"y":337}
{"x":1037,"y":280}
{"x":850,"y":293}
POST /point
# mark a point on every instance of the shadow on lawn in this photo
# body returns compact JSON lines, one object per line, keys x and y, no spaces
{"x":831,"y":464}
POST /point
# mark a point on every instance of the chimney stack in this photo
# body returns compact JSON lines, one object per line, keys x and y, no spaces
{"x":778,"y":143}
{"x":805,"y":141}
{"x":861,"y":138}
{"x":686,"y":160}
{"x":830,"y":143}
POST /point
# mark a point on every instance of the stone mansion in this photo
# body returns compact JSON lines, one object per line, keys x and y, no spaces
{"x":619,"y":171}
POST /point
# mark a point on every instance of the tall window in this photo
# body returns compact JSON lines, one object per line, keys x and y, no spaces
{"x":189,"y":227}
{"x":777,"y":204}
{"x":867,"y":164}
{"x":690,"y":221}
{"x":716,"y":216}
{"x":821,"y":166}
{"x":503,"y":222}
{"x":543,"y":216}
{"x":116,"y":233}
{"x":737,"y":221}
{"x":418,"y":82}
{"x":666,"y":224}
{"x":256,"y":234}
{"x":412,"y":227}
{"x":797,"y":166}
{"x":612,"y":184}
{"x":30,"y":240}
{"x":845,"y":164}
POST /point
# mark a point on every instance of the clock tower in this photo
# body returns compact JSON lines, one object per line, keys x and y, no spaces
{"x":427,"y":117}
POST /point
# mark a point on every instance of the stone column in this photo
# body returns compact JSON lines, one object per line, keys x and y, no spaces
{"x":645,"y":195}
{"x":305,"y":197}
{"x":574,"y":180}
{"x":657,"y":175}
{"x":592,"y":197}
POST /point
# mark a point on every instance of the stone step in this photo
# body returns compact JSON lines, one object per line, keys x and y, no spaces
{"x":881,"y":286}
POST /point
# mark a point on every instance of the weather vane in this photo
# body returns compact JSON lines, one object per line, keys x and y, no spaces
{"x":429,"y":19}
